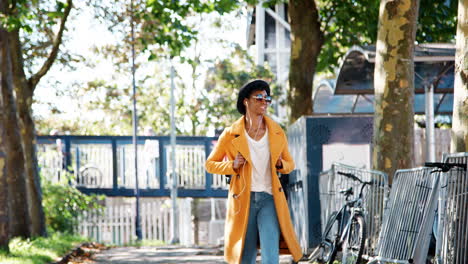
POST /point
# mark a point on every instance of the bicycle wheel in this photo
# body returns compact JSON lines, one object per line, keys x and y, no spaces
{"x":353,"y":245}
{"x":328,"y":245}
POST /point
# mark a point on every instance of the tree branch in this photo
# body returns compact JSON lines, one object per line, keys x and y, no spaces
{"x":35,"y":78}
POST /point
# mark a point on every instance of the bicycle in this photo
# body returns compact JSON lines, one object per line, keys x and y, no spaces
{"x":89,"y":176}
{"x":345,"y":230}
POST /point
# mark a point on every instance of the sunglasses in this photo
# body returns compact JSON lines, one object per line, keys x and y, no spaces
{"x":261,"y":98}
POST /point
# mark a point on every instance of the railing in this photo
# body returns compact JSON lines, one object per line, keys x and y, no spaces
{"x":452,"y":237}
{"x":374,"y":197}
{"x":408,"y":210}
{"x":409,"y":219}
{"x":116,"y":223}
{"x":105,"y":165}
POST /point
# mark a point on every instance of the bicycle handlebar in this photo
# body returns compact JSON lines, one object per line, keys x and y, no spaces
{"x":445,"y":166}
{"x":355,"y":178}
{"x":351,"y":176}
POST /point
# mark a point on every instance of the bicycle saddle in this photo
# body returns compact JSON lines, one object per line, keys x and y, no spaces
{"x":347,"y":192}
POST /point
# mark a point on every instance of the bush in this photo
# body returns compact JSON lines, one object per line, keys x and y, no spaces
{"x":64,"y":204}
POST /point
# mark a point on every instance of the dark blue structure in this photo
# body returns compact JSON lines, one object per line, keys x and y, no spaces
{"x":115,"y":142}
{"x":307,"y":137}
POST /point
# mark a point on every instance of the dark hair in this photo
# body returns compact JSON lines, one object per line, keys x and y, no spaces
{"x":247,"y":90}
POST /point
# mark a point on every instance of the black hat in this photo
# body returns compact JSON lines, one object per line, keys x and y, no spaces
{"x":246,"y":91}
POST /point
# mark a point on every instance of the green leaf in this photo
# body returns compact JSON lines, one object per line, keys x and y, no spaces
{"x":152,"y":56}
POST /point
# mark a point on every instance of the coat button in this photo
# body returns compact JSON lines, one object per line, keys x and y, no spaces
{"x":280,"y":189}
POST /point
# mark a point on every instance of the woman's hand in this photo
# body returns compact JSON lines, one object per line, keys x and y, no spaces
{"x":279,"y":163}
{"x":238,"y":161}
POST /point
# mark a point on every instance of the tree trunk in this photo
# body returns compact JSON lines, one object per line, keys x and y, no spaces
{"x":24,"y":89}
{"x":306,"y":43}
{"x":16,"y":178}
{"x":24,"y":97}
{"x":459,"y":133}
{"x":460,"y":98}
{"x":4,"y":223}
{"x":5,"y":77}
{"x":394,"y":86}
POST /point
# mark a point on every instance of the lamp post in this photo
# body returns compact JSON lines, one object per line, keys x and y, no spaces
{"x":175,"y":215}
{"x":134,"y":137}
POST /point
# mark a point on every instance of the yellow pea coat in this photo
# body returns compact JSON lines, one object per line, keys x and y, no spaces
{"x":232,"y":141}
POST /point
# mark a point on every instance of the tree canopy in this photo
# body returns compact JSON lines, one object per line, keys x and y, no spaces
{"x":167,"y":29}
{"x":108,"y":97}
{"x":348,"y":23}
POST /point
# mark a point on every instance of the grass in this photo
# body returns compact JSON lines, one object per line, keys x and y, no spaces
{"x":40,"y":250}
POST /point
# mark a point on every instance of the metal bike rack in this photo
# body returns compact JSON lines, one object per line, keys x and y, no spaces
{"x":408,"y":217}
{"x":452,"y":235}
{"x":374,"y":198}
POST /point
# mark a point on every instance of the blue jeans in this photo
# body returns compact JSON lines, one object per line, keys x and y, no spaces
{"x":263,"y":222}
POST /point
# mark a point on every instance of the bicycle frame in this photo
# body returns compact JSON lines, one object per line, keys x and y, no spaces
{"x":352,"y":211}
{"x":346,"y":212}
{"x":332,"y":241}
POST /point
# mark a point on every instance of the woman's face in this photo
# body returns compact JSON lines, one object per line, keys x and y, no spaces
{"x":258,"y":102}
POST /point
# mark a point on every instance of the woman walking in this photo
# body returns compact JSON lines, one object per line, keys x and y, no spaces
{"x":253,"y":150}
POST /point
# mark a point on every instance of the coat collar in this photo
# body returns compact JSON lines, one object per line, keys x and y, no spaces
{"x":238,"y":127}
{"x":274,"y":137}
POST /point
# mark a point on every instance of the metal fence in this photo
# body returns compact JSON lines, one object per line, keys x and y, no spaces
{"x":92,"y":164}
{"x":452,"y":235}
{"x":408,"y":217}
{"x":105,"y":165}
{"x":190,"y":165}
{"x":374,"y":197}
{"x":149,"y":164}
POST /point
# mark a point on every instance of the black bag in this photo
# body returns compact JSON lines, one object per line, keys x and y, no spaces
{"x":284,"y":180}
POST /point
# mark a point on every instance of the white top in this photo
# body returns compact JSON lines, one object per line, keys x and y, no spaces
{"x":261,"y":169}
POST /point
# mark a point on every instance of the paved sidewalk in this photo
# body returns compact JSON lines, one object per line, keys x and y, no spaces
{"x":165,"y":254}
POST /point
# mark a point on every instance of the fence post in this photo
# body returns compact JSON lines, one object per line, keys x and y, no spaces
{"x":77,"y":160}
{"x":163,"y":162}
{"x":208,"y":176}
{"x":114,"y":163}
{"x":67,"y":155}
